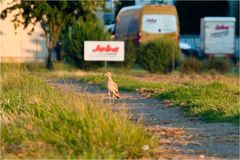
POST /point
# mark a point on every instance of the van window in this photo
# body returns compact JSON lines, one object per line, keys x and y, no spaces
{"x":155,"y":23}
{"x":133,"y":26}
{"x":127,"y":25}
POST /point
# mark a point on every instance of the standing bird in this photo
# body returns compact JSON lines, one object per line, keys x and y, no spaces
{"x":112,"y":87}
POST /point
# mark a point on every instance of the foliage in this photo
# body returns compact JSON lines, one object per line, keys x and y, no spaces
{"x":130,"y":54}
{"x":219,"y":64}
{"x":191,"y":65}
{"x":158,"y":55}
{"x":123,"y":3}
{"x":52,"y":15}
{"x":129,"y":57}
{"x":74,"y":41}
{"x":38,"y":121}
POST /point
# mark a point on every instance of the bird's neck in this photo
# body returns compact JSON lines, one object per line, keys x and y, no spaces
{"x":109,"y":78}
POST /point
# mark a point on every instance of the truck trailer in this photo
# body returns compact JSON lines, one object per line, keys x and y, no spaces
{"x":217,"y":38}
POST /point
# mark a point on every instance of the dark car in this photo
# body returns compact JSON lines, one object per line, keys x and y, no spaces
{"x":189,"y":50}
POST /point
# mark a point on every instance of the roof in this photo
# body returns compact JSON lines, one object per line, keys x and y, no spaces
{"x":219,"y":19}
{"x":136,"y":7}
{"x":131,"y":8}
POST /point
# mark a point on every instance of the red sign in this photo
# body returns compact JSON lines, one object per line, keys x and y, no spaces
{"x":104,"y":50}
{"x":221,"y":27}
{"x":108,"y":48}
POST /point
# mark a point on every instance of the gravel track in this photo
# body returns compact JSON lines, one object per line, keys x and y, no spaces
{"x":180,"y":137}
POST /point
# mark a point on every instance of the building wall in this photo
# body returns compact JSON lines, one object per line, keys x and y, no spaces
{"x":18,"y":45}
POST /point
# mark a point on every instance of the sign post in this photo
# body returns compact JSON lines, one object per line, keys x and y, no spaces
{"x":105,"y":64}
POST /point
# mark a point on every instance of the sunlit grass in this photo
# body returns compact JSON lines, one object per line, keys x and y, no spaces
{"x":136,"y":69}
{"x":39,"y":121}
{"x":214,"y":98}
{"x":214,"y":101}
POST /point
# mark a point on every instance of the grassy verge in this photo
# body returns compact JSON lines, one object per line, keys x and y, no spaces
{"x":214,"y":101}
{"x":41,"y":122}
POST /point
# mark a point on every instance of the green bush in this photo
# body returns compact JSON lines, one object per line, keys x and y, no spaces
{"x":219,"y":64}
{"x":191,"y":65}
{"x":73,"y":41}
{"x":130,"y":55}
{"x":157,"y":56}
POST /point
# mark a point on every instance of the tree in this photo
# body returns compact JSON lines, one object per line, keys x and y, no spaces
{"x":123,"y":3}
{"x":52,"y":15}
{"x":82,"y":31}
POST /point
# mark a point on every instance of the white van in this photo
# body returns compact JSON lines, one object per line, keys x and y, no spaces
{"x":148,"y":22}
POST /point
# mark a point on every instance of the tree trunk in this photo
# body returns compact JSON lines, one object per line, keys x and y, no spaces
{"x":49,"y":63}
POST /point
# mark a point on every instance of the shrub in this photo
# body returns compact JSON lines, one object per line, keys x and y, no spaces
{"x":74,"y":41}
{"x":191,"y":65}
{"x":219,"y":64}
{"x":130,"y":55}
{"x":157,"y":56}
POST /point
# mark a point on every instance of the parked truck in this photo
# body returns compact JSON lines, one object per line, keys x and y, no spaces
{"x":217,"y":37}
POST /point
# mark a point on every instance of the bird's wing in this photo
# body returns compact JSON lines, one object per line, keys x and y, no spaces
{"x":114,"y":88}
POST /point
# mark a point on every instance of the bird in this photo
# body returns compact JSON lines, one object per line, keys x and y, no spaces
{"x":112,"y":87}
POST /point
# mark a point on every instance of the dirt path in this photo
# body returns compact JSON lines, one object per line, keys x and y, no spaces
{"x":180,"y":137}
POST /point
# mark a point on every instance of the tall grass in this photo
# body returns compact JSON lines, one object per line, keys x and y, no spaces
{"x":214,"y":102}
{"x":39,"y":121}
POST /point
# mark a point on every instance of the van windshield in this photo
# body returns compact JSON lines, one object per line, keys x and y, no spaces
{"x":155,"y":23}
{"x":127,"y":23}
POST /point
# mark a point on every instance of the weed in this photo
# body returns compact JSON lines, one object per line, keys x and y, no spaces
{"x":191,"y":65}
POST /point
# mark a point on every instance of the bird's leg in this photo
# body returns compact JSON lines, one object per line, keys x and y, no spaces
{"x":109,"y":96}
{"x":113,"y":99}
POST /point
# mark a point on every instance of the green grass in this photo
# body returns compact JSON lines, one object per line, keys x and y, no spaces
{"x":38,"y":121}
{"x":214,"y":101}
{"x":135,"y":70}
